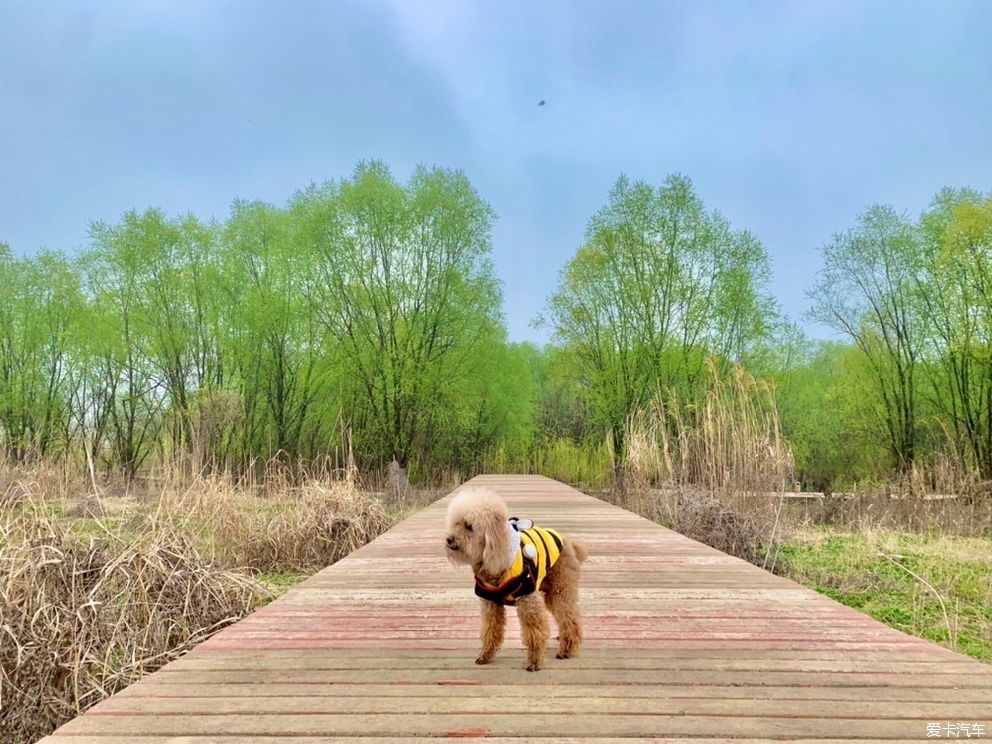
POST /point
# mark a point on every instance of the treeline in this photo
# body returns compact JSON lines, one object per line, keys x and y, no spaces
{"x":914,"y":299}
{"x":364,"y":307}
{"x":365,"y":314}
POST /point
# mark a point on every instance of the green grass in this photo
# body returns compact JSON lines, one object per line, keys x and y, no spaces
{"x":397,"y":513}
{"x":934,"y":586}
{"x":588,"y":464}
{"x":280,"y":583}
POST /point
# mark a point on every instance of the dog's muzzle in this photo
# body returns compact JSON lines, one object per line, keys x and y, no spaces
{"x":452,"y":542}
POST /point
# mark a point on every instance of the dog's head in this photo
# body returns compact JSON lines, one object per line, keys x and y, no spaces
{"x":478,"y":533}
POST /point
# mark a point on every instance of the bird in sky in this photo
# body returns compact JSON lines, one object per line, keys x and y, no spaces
{"x":540,"y":103}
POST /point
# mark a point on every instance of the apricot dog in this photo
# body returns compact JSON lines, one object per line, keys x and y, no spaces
{"x":514,"y":562}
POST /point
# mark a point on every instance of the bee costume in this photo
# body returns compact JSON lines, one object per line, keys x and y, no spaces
{"x":535,"y":551}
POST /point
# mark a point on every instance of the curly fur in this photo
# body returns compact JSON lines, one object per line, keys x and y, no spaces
{"x":478,"y":535}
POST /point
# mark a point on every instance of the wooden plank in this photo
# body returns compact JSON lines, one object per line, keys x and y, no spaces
{"x":670,"y":653}
{"x":571,"y":706}
{"x":447,"y":662}
{"x":512,"y":724}
{"x":508,"y":692}
{"x":85,"y":739}
{"x":681,"y":641}
{"x":560,"y":674}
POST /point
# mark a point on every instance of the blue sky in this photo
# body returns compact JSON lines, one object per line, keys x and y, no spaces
{"x":790,"y":117}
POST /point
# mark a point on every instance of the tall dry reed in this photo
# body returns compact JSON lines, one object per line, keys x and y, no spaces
{"x":729,"y":440}
{"x":101,"y":583}
{"x":84,"y":615}
{"x":706,"y":467}
{"x":302,"y":527}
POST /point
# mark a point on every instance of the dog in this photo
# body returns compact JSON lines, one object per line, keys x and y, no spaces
{"x":516,"y":563}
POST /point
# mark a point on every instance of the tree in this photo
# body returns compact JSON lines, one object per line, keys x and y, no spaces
{"x":407,"y":296}
{"x":659,"y":286}
{"x":868,"y":289}
{"x":494,"y":404}
{"x":39,"y":300}
{"x":176,"y":306}
{"x":273,"y":342}
{"x":560,"y":411}
{"x":125,"y":388}
{"x":957,"y":231}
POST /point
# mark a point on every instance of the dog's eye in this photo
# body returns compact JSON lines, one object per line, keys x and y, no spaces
{"x":468,"y":527}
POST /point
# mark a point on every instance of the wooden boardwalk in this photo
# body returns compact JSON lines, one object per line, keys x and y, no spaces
{"x":681,"y":641}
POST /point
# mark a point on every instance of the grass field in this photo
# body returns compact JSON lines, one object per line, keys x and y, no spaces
{"x":935,"y":586}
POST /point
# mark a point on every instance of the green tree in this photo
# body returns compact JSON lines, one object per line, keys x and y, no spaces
{"x":659,"y":286}
{"x":560,"y":410}
{"x":869,"y":290}
{"x":274,"y":345}
{"x":958,"y":302}
{"x":39,"y":299}
{"x":176,"y":276}
{"x":496,"y":403}
{"x":831,"y":416}
{"x":125,"y":386}
{"x":407,"y":295}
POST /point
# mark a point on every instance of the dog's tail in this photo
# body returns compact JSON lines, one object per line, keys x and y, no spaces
{"x":581,"y":552}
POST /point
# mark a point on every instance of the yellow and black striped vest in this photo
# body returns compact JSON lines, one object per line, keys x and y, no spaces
{"x":538,"y":551}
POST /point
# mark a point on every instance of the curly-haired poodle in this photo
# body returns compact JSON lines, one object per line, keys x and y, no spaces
{"x":513,"y":561}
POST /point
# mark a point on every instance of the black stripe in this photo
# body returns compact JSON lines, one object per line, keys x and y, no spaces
{"x":547,"y":553}
{"x":505,"y":594}
{"x":558,"y":540}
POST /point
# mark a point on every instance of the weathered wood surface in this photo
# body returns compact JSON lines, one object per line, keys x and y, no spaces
{"x":681,"y":641}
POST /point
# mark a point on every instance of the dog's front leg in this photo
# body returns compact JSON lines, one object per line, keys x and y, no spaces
{"x":493,"y":627}
{"x":534,"y":628}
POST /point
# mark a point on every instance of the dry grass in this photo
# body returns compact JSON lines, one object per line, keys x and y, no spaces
{"x":18,"y":483}
{"x":730,"y":441}
{"x":291,"y":529}
{"x":855,"y":512}
{"x":84,"y":615}
{"x":97,"y":589}
{"x":705,"y":469}
{"x":737,"y":526}
{"x":401,"y":499}
{"x":719,"y":471}
{"x":708,"y":520}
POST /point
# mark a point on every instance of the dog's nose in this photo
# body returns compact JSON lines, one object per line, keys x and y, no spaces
{"x":451,"y":541}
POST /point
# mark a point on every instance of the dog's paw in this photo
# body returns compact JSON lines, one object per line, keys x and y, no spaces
{"x":483,"y":660}
{"x":563,"y":655}
{"x":534,"y":668}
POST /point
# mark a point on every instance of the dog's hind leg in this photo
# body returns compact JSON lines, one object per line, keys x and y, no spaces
{"x":493,"y":627}
{"x":566,"y":613}
{"x":561,"y":595}
{"x":534,"y":628}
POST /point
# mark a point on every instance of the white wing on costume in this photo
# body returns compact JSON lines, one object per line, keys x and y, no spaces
{"x":521,"y":524}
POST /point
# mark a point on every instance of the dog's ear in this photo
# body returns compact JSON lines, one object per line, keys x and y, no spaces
{"x":496,"y":542}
